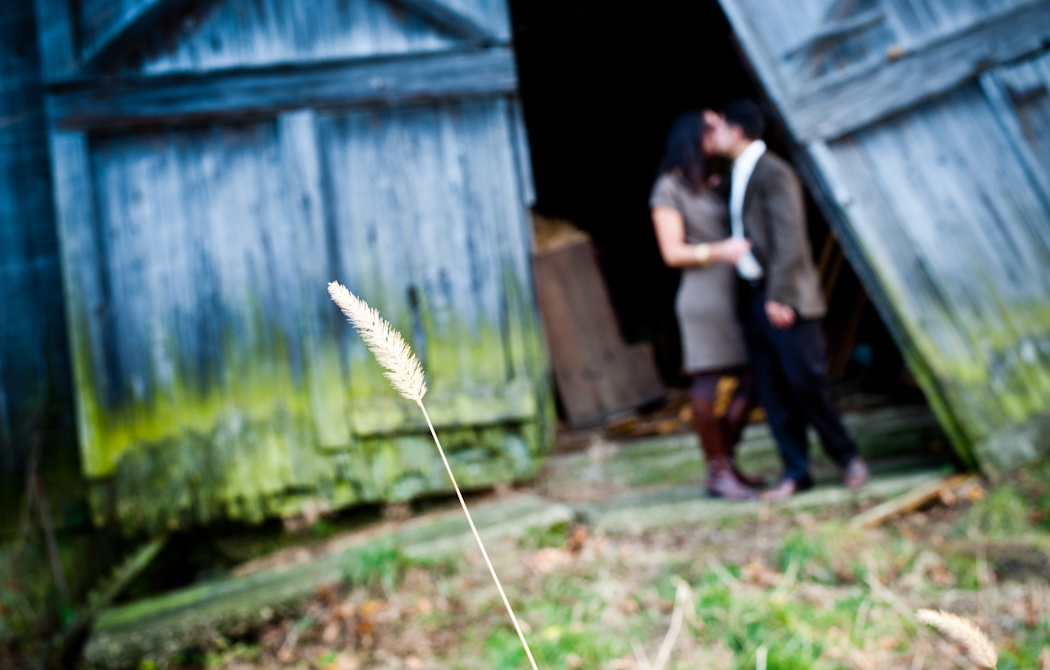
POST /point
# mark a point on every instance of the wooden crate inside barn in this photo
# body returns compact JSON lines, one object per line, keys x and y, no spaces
{"x":599,"y":376}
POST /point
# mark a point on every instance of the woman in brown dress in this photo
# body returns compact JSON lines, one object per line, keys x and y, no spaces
{"x":692,"y":229}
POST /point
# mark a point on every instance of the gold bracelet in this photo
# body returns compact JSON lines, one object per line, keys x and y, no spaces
{"x":703,"y":253}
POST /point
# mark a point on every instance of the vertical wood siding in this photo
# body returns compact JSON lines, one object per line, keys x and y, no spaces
{"x":1020,"y":94}
{"x":433,"y":228}
{"x":219,"y":351}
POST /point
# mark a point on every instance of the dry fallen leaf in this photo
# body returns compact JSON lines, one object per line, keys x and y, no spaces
{"x":346,"y":661}
{"x":577,"y":537}
{"x":331,"y":632}
{"x":757,"y":572}
{"x":550,"y":559}
{"x":346,"y":610}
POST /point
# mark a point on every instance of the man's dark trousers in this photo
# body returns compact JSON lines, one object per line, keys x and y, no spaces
{"x":789,"y":370}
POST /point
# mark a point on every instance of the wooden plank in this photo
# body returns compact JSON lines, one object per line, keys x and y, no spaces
{"x":135,"y":22}
{"x":457,"y":21}
{"x":173,"y":98}
{"x":522,"y":154}
{"x":1000,"y":97}
{"x":58,"y":37}
{"x":907,"y":502}
{"x":84,"y":285}
{"x":840,"y":106}
{"x":597,"y":374}
{"x":297,"y":135}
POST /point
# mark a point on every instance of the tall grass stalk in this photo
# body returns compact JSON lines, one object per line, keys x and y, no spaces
{"x":405,"y":373}
{"x":979,"y":649}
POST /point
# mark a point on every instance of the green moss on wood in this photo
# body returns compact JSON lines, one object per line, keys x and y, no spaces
{"x":996,"y":380}
{"x":256,"y":439}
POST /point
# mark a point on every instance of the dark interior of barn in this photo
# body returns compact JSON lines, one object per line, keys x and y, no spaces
{"x":600,"y":89}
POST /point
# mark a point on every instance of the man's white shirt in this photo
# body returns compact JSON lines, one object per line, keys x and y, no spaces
{"x":744,"y":165}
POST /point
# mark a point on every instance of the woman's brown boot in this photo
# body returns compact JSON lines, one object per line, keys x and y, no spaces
{"x":722,"y":482}
{"x":733,"y":424}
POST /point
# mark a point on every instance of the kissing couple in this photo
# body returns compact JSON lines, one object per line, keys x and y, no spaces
{"x":749,"y":304}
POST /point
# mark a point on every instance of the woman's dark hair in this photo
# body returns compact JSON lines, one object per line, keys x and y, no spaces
{"x":682,"y":153}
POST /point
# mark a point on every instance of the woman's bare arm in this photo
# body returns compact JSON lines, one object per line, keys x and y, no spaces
{"x":670,"y":235}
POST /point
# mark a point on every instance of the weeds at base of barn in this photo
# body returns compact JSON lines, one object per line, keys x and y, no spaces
{"x":810,"y":591}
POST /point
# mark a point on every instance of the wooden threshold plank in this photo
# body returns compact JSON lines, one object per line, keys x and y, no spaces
{"x":909,"y":501}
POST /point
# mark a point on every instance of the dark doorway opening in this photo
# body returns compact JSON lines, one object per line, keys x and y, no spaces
{"x":600,"y":88}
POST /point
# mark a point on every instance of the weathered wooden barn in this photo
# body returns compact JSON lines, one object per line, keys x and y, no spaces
{"x":213,"y":163}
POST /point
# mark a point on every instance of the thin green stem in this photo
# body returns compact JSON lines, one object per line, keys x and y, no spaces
{"x":485,"y":554}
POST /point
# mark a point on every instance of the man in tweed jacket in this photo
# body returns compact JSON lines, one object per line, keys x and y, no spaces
{"x":780,"y":300}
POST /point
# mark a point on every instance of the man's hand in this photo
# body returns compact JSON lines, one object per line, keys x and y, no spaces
{"x":781,"y":316}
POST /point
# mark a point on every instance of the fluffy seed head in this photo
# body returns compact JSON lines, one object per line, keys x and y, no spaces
{"x":402,"y":367}
{"x":979,"y":649}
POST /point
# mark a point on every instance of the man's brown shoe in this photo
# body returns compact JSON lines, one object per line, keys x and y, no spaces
{"x":855,"y":474}
{"x":782,"y":491}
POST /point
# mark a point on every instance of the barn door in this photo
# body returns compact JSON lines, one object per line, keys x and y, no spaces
{"x":922,"y":127}
{"x":216,"y":164}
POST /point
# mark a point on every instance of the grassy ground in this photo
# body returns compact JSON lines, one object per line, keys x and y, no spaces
{"x":796,"y":590}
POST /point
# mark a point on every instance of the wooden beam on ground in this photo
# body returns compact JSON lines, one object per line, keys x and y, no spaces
{"x":912,"y":500}
{"x":136,"y":100}
{"x":191,"y":616}
{"x":135,"y":22}
{"x":845,"y":104}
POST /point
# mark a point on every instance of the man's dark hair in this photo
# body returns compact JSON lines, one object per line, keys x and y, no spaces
{"x":746,"y":114}
{"x":682,"y":152}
